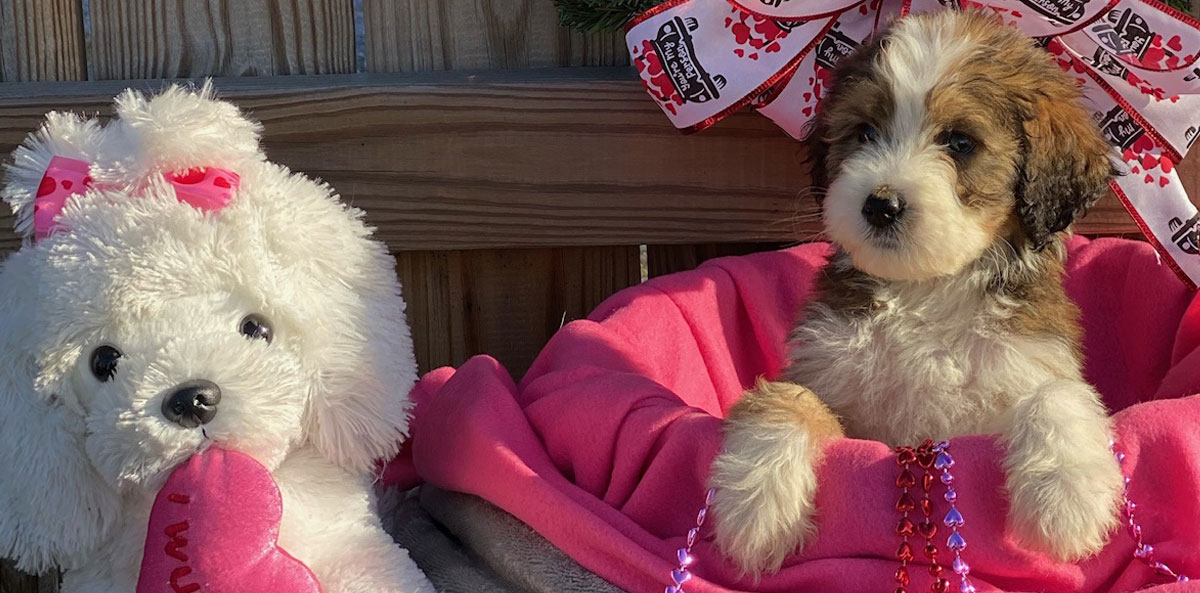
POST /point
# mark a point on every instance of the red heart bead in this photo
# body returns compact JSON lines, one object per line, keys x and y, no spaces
{"x":927,"y":482}
{"x":905,"y":479}
{"x":905,"y":528}
{"x":935,"y":570}
{"x":930,"y":551}
{"x":941,"y":586}
{"x":926,"y":506}
{"x":927,"y":528}
{"x":904,"y":553}
{"x":925,"y":459}
{"x":906,"y":503}
{"x":902,"y":575}
{"x":905,"y":455}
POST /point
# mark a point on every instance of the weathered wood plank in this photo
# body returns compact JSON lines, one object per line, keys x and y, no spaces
{"x":505,"y":303}
{"x":668,"y":259}
{"x":418,"y":35}
{"x":517,"y":158}
{"x":41,"y":40}
{"x":180,"y":38}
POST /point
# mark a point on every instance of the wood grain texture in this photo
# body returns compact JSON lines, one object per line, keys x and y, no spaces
{"x":188,"y":38}
{"x":668,"y":259}
{"x":14,"y":581}
{"x":505,"y":303}
{"x":41,"y":40}
{"x":569,"y":157}
{"x":419,"y":35}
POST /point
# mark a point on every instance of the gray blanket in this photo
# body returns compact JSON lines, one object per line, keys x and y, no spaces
{"x":466,"y":545}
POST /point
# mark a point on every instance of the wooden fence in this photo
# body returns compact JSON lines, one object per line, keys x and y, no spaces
{"x":516,"y":169}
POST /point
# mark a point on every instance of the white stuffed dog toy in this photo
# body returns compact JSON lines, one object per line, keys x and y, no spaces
{"x":177,"y":294}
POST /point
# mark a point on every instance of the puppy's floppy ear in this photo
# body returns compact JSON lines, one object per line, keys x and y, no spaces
{"x":1065,"y":166}
{"x":56,"y":508}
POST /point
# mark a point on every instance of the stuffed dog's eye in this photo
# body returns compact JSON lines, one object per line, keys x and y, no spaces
{"x":958,"y":142}
{"x":867,"y":134}
{"x":104,"y":363}
{"x":256,"y":327}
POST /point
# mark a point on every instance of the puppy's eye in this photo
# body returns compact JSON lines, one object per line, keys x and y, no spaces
{"x":256,"y":327}
{"x":958,"y":142}
{"x":867,"y":134}
{"x":104,"y":363}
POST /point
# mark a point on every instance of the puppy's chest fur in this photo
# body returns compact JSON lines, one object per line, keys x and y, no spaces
{"x":904,"y":362}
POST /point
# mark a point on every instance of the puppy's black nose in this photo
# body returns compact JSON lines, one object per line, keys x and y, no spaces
{"x":883,"y":209}
{"x":192,"y":404}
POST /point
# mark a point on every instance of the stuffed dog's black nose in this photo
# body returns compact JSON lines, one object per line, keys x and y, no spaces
{"x":883,"y":208}
{"x":193,"y":403}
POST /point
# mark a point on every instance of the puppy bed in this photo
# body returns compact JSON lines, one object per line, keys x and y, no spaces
{"x":604,"y":447}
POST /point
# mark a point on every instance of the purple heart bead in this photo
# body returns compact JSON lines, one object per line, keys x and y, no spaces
{"x":951,"y":495}
{"x":961,"y":566}
{"x":943,"y":461}
{"x":691,"y":537}
{"x":947,"y":479}
{"x":700,"y":516}
{"x":685,"y":559}
{"x":1144,"y":551}
{"x":953,"y":518}
{"x":680,"y":576}
{"x":966,"y":587}
{"x":709,"y":497}
{"x":1120,"y":458}
{"x":956,"y":541}
{"x":673,"y":589}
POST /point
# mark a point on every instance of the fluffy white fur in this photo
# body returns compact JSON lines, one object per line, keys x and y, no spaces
{"x":168,"y":285}
{"x":767,"y":481}
{"x":932,"y":359}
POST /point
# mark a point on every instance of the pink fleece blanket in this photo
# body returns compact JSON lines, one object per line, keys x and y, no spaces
{"x":605,"y":445}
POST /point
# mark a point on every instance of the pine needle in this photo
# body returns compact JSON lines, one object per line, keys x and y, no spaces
{"x":600,"y":15}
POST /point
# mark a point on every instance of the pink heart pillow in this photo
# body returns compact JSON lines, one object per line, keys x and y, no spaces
{"x":214,"y":528}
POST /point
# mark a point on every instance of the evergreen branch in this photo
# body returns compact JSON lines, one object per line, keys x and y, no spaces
{"x":600,"y":15}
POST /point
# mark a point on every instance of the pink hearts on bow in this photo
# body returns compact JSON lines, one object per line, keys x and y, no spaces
{"x":208,"y":189}
{"x":214,"y":528}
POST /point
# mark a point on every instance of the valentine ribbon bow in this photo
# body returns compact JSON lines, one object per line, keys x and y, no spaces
{"x":1136,"y":60}
{"x":205,"y":188}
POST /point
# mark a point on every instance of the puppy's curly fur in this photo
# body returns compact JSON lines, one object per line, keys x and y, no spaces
{"x":947,"y":316}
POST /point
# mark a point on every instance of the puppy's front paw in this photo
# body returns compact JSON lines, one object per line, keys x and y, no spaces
{"x":1065,"y":511}
{"x":766,"y":480}
{"x":763,"y":504}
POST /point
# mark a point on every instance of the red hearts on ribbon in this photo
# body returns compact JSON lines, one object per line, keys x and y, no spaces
{"x":214,"y":528}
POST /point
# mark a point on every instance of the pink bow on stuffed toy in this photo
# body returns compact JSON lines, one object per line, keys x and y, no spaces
{"x":208,"y":189}
{"x":1136,"y":61}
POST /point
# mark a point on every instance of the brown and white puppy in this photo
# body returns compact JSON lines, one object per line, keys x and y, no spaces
{"x":957,"y":156}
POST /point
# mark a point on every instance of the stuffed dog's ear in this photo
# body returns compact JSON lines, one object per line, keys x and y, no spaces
{"x":179,"y":129}
{"x":56,"y":508}
{"x":359,"y":408}
{"x":1065,"y":167}
{"x":28,"y":176}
